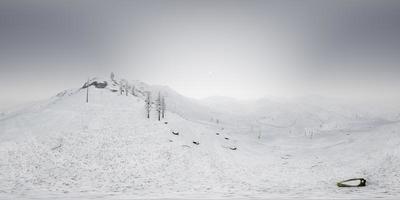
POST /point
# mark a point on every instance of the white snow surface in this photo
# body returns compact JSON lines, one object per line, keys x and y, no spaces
{"x":65,"y":148}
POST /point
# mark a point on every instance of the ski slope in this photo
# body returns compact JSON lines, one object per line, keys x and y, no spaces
{"x":106,"y":149}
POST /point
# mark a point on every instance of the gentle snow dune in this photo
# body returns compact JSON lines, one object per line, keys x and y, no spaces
{"x":66,"y":148}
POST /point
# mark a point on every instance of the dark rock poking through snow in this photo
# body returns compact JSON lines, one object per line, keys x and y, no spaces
{"x":175,"y":133}
{"x":96,"y":84}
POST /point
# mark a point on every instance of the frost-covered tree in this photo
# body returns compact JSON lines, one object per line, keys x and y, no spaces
{"x":163,"y":107}
{"x":148,"y":104}
{"x":112,"y":76}
{"x":126,"y":89}
{"x":133,"y":90}
{"x":158,"y":106}
{"x":120,"y":88}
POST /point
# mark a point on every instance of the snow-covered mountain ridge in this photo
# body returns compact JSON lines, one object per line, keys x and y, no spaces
{"x":107,"y":148}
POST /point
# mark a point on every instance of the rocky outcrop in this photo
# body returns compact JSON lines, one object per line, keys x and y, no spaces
{"x":96,"y":84}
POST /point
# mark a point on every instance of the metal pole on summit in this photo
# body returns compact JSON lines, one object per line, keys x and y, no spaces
{"x":87,"y":91}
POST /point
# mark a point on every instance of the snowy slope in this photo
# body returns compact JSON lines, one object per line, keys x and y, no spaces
{"x":106,"y":146}
{"x":66,"y":148}
{"x":298,"y":116}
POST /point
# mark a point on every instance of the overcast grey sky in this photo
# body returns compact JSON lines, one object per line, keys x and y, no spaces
{"x":243,"y":49}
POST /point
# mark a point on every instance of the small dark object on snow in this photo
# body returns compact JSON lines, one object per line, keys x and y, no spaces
{"x":216,"y":133}
{"x":196,"y":143}
{"x":233,"y":148}
{"x":165,"y":122}
{"x":57,"y":147}
{"x":359,"y":182}
{"x":226,"y":138}
{"x":112,"y":90}
{"x":175,"y":133}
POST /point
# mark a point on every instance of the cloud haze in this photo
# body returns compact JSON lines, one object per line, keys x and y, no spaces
{"x":242,"y":49}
